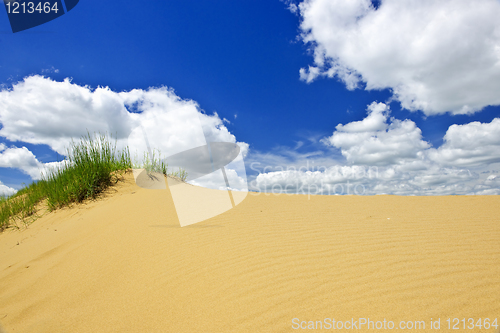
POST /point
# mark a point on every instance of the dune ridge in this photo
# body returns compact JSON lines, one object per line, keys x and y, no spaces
{"x":123,"y":263}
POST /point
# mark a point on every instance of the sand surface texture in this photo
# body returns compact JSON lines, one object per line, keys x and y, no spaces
{"x":123,"y":264}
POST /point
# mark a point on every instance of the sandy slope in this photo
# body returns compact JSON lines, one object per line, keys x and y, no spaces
{"x":123,"y":264}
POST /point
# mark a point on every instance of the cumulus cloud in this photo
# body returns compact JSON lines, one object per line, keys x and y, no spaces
{"x":384,"y":155}
{"x":6,"y":191}
{"x":291,"y":6}
{"x":435,"y":56}
{"x":378,"y":154}
{"x":364,"y":180}
{"x":170,"y":123}
{"x":24,"y":160}
{"x":374,"y":141}
{"x":21,"y":158}
{"x":471,"y":144}
{"x":432,"y":179}
{"x":39,"y":110}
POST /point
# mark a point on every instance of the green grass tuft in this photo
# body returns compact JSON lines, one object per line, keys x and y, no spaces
{"x":90,"y":167}
{"x":153,"y":163}
{"x":87,"y":172}
{"x":21,"y":205}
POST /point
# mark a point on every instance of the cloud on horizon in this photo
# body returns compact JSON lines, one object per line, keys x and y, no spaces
{"x":384,"y":155}
{"x":435,"y":56}
{"x":6,"y":191}
{"x":39,"y":110}
{"x":379,"y":154}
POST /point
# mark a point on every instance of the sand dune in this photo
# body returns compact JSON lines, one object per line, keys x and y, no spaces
{"x":123,"y":264}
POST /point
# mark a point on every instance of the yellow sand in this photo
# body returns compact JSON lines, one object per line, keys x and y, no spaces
{"x":123,"y":264}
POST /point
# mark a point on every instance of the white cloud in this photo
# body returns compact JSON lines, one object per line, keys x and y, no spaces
{"x":471,"y":144}
{"x":215,"y":180}
{"x":436,"y":56}
{"x":6,"y":191}
{"x":371,"y":180}
{"x":310,"y":74}
{"x":23,"y":159}
{"x":373,"y":141}
{"x":52,"y":69}
{"x":494,"y":191}
{"x":386,"y":156}
{"x":380,"y":154}
{"x":40,"y":110}
{"x":292,"y":7}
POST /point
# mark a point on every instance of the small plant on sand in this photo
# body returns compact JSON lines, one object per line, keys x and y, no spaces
{"x":21,"y":205}
{"x":182,"y":174}
{"x":88,"y":169}
{"x":153,"y":162}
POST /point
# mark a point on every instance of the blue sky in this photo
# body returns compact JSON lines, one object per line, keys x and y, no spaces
{"x":242,"y":61}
